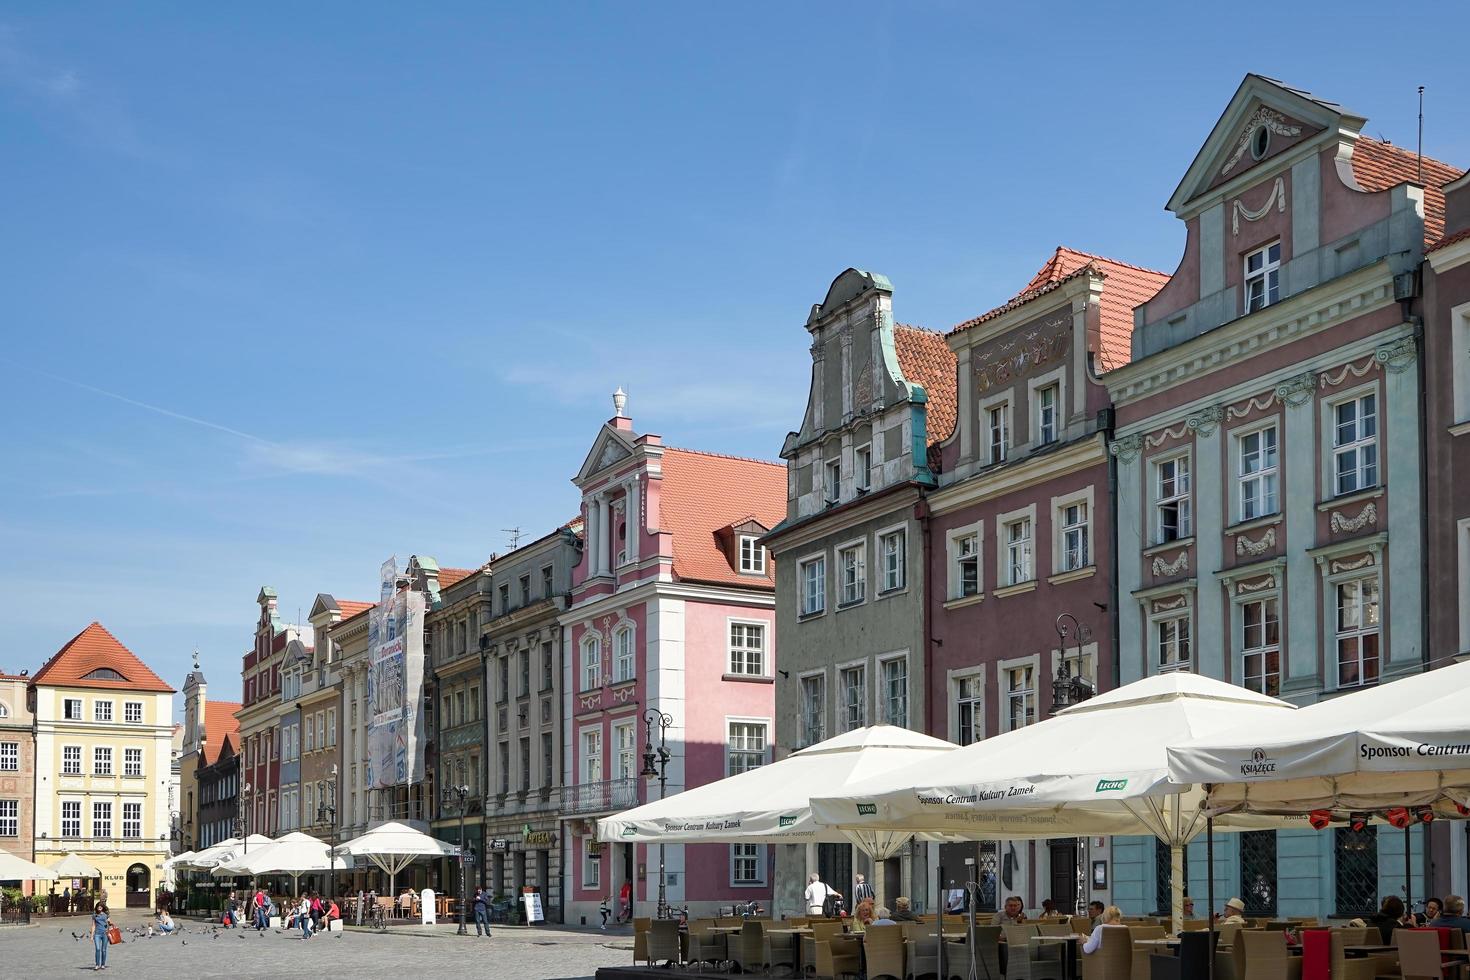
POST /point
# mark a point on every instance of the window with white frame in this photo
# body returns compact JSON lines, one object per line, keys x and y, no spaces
{"x":71,"y":709}
{"x":1256,"y":469}
{"x":834,"y":481}
{"x":1017,"y":537}
{"x":998,"y":432}
{"x":101,"y":818}
{"x":748,"y":649}
{"x":1358,"y":628}
{"x":592,"y":755}
{"x":969,"y":705}
{"x":310,"y":735}
{"x":852,"y":564}
{"x":9,"y":756}
{"x":1020,"y":689}
{"x":132,"y":762}
{"x":862,"y":466}
{"x":1260,"y":646}
{"x":1262,"y":277}
{"x":625,"y":664}
{"x":591,"y":663}
{"x":71,"y":760}
{"x":331,"y":726}
{"x":9,"y":818}
{"x":746,"y":747}
{"x":854,"y":697}
{"x":1072,"y":524}
{"x":964,"y":573}
{"x":1047,"y":399}
{"x":1355,"y":444}
{"x":746,"y":865}
{"x":892,"y":552}
{"x":132,"y":820}
{"x":625,"y":739}
{"x":591,"y":864}
{"x":813,"y":709}
{"x":1172,"y":650}
{"x":813,"y":586}
{"x":1171,"y":499}
{"x":321,"y":728}
{"x":895,"y":679}
{"x":133,"y":712}
{"x":102,"y":760}
{"x":101,"y":710}
{"x":752,"y":556}
{"x":71,"y":818}
{"x":1460,"y":363}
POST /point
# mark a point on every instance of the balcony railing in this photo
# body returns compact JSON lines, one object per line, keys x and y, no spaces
{"x":609,"y":794}
{"x":411,"y":810}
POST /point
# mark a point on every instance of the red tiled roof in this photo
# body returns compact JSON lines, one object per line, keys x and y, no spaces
{"x":93,"y":648}
{"x":705,"y":492}
{"x":1377,"y":166}
{"x":449,"y":576}
{"x":1458,"y":236}
{"x":350,"y":608}
{"x":220,"y":723}
{"x":1124,"y":287}
{"x":926,"y":359}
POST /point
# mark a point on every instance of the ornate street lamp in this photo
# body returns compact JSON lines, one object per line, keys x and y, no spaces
{"x":327,"y":813}
{"x":242,"y":825}
{"x":1066,"y":690}
{"x":459,"y":795}
{"x":656,"y":763}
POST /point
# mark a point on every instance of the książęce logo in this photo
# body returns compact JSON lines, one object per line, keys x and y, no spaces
{"x":629,"y":832}
{"x":1110,"y":785}
{"x":867,"y":809}
{"x":1260,"y":764}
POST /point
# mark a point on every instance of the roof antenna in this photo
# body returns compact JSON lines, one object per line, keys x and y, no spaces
{"x":515,"y":536}
{"x":1421,"y":134}
{"x":196,"y":658}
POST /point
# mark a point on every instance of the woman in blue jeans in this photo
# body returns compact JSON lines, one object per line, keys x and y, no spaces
{"x":100,"y":924}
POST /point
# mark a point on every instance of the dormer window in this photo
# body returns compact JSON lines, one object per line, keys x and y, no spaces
{"x":752,"y":556}
{"x":1262,"y":277}
{"x":104,"y":674}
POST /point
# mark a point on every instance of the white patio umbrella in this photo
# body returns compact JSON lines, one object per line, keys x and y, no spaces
{"x":393,"y":847}
{"x":294,"y":854}
{"x":73,"y":866}
{"x":772,"y":804}
{"x":13,"y":868}
{"x":1099,"y":767}
{"x":179,"y":862}
{"x":225,"y":851}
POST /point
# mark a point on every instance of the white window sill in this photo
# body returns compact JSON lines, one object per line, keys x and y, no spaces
{"x":748,"y":678}
{"x":844,"y":606}
{"x":1348,"y":499}
{"x":804,"y":617}
{"x":1154,"y":549}
{"x":1020,"y":588}
{"x":1265,"y":520}
{"x":1076,"y":575}
{"x":1460,"y":428}
{"x":963,"y":601}
{"x":889,"y":594}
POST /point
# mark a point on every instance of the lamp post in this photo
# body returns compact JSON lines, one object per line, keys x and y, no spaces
{"x":461,"y":795}
{"x":656,"y":763}
{"x":1066,"y":690}
{"x":327,"y":812}
{"x":242,"y":825}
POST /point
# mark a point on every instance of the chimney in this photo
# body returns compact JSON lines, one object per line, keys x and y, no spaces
{"x":1457,"y":205}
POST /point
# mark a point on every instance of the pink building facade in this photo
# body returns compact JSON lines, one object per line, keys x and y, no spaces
{"x":672,"y":611}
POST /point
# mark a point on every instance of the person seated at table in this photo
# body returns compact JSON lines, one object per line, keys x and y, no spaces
{"x":1048,"y":907}
{"x":1188,"y":907}
{"x":1112,"y":917}
{"x":1433,"y":909}
{"x":1453,"y":916}
{"x":902,"y":911}
{"x":1013,"y":914}
{"x":882,"y":917}
{"x":405,"y":901}
{"x":1390,"y":916}
{"x":863,"y":916}
{"x":1231,"y":914}
{"x":1095,"y":910}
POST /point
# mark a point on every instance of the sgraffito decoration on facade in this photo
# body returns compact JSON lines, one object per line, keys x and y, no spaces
{"x":395,"y":684}
{"x":1019,"y":357}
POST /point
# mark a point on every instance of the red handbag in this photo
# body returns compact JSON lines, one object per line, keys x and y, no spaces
{"x":114,"y":935}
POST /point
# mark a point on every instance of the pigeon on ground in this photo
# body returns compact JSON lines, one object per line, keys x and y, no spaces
{"x":183,"y":942}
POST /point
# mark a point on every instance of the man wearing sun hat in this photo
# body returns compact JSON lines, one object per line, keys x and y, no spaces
{"x":1232,"y":914}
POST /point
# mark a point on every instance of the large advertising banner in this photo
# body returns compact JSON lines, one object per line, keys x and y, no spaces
{"x":395,"y":684}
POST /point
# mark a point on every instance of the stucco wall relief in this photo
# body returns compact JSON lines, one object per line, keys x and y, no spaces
{"x":1171,"y":603}
{"x":1367,"y":516}
{"x":1250,"y":586}
{"x":1239,"y":210}
{"x":1127,"y":448}
{"x":1244,"y":546}
{"x":1352,"y":564}
{"x":1179,"y":565}
{"x":1263,"y":116}
{"x":1204,"y":422}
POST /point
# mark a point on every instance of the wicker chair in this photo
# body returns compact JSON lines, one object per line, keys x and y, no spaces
{"x":780,"y":950}
{"x":663,"y":941}
{"x":1026,"y":960}
{"x":840,"y":955}
{"x":921,"y":957}
{"x":1343,"y":968}
{"x":1113,"y":959}
{"x":706,"y":946}
{"x":1262,"y":955}
{"x":987,"y":956}
{"x":747,"y":948}
{"x":640,"y":940}
{"x":1141,"y":965}
{"x":821,"y":929}
{"x":1419,"y":955}
{"x":884,"y":948}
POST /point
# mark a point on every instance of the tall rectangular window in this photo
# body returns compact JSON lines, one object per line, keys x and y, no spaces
{"x":592,"y":756}
{"x":745,"y":864}
{"x":133,"y":712}
{"x":1262,"y":277}
{"x":1018,"y":551}
{"x":813,"y":586}
{"x":1171,"y":499}
{"x":862,"y":465}
{"x":1046,"y":414}
{"x":1257,"y":473}
{"x":525,"y":584}
{"x":752,"y":555}
{"x":1355,"y":444}
{"x":132,"y":762}
{"x":892,"y":549}
{"x":548,"y":582}
{"x":548,"y":666}
{"x":548,"y":759}
{"x":591,"y":663}
{"x":625,"y":737}
{"x":102,"y":761}
{"x":101,"y":818}
{"x":71,"y":760}
{"x":71,"y":709}
{"x":524,"y":748}
{"x":132,"y":820}
{"x":523,"y":672}
{"x":813,"y":709}
{"x":101,"y":710}
{"x":854,"y":571}
{"x":71,"y":818}
{"x":1020,"y":696}
{"x":834,"y":481}
{"x":747,"y":746}
{"x":896,"y":692}
{"x":1357,"y":631}
{"x":625,"y":664}
{"x":9,"y":818}
{"x":998,"y":429}
{"x":1074,"y":541}
{"x":1171,"y":643}
{"x":854,"y":698}
{"x":967,"y":565}
{"x":1260,"y":635}
{"x":9,"y":756}
{"x":504,"y":758}
{"x":591,"y":864}
{"x":331,"y":726}
{"x":748,"y":649}
{"x":968,"y":710}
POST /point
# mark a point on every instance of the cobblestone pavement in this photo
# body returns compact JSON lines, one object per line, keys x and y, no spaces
{"x":548,"y":953}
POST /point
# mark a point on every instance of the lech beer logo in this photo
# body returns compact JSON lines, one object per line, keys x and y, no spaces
{"x":1110,"y":785}
{"x":786,"y":821}
{"x":867,"y":809}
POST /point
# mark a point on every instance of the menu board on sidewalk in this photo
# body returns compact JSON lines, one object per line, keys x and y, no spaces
{"x":532,"y":903}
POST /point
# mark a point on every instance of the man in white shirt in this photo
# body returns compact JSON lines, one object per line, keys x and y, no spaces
{"x":816,"y":894}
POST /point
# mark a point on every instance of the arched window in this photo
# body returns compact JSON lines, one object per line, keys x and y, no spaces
{"x":624,"y":666}
{"x":4,"y":710}
{"x":591,"y":663}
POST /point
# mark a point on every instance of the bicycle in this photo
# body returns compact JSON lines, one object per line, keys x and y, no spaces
{"x":379,"y":919}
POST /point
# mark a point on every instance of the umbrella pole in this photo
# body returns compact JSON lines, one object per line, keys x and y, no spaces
{"x":1210,"y":888}
{"x":939,"y":930}
{"x":1408,"y":869}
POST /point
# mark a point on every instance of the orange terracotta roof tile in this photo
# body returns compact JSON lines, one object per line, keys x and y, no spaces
{"x":351,"y":608}
{"x":1458,"y":236}
{"x":926,"y":359}
{"x":449,"y":576}
{"x":702,"y":493}
{"x":1377,"y":166}
{"x":1124,"y":286}
{"x":92,"y":649}
{"x":220,"y":724}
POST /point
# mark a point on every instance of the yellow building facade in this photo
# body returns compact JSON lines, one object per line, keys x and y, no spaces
{"x":104,"y":733}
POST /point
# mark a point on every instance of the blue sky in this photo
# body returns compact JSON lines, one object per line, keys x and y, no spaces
{"x":290,"y":288}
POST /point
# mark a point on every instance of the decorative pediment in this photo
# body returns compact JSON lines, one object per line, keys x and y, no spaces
{"x":612,"y":446}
